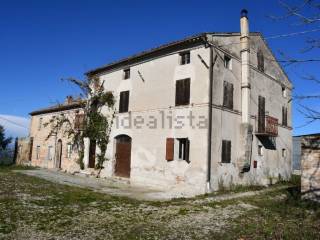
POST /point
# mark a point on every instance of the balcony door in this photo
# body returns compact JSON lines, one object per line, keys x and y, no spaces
{"x":261,"y":114}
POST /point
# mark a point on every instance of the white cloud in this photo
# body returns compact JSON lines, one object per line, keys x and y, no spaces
{"x":15,"y":126}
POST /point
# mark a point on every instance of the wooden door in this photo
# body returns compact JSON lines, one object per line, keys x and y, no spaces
{"x":123,"y":156}
{"x":261,"y":115}
{"x":92,"y":154}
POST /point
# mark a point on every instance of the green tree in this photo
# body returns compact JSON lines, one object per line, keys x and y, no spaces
{"x":4,"y":142}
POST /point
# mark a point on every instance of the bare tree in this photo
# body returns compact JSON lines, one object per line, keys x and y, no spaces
{"x":304,"y":13}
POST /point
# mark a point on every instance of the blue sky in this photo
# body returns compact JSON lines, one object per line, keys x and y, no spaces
{"x":43,"y":41}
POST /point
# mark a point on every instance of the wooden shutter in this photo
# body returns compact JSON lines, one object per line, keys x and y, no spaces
{"x":186,"y":91}
{"x":284,"y":116}
{"x":260,"y":59}
{"x":124,"y":102}
{"x":228,"y":95}
{"x":169,"y":149}
{"x":226,"y":151}
{"x":183,"y":92}
{"x":79,"y":122}
{"x":187,"y":149}
{"x":261,"y":114}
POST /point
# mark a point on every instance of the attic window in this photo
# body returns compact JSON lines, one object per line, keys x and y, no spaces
{"x":227,"y":62}
{"x":284,"y":91}
{"x":260,"y":60}
{"x":184,"y":58}
{"x":126,"y":73}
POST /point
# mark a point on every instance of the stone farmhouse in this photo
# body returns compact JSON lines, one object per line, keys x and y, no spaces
{"x":192,"y":116}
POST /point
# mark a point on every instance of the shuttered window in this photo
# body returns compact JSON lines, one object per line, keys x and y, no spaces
{"x":261,"y":114}
{"x":124,"y":102}
{"x":184,"y":58}
{"x":228,"y":95}
{"x":260,"y":59}
{"x":79,"y":122}
{"x":126,"y":73}
{"x":284,"y":116}
{"x":226,"y":151}
{"x":184,"y":144}
{"x":183,"y":92}
{"x":169,"y":149}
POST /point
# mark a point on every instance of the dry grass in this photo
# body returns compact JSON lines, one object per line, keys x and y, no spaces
{"x":31,"y":208}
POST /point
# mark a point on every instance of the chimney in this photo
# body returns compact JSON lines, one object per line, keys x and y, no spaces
{"x":69,"y":100}
{"x":246,"y":129}
{"x":245,"y":61}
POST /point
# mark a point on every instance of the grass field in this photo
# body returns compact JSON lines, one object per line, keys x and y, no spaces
{"x":32,"y":208}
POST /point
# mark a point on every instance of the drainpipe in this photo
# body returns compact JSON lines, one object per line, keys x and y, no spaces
{"x":208,"y":187}
{"x":246,"y":127}
{"x":212,"y":63}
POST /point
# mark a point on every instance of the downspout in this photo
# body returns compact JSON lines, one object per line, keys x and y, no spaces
{"x":212,"y":62}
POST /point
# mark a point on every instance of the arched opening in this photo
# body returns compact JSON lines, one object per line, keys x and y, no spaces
{"x":59,"y":154}
{"x":123,"y":156}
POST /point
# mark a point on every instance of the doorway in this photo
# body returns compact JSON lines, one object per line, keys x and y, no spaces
{"x":123,"y":156}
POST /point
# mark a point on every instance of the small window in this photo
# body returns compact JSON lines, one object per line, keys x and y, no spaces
{"x":38,"y":152}
{"x":227,"y":62}
{"x":284,"y":116}
{"x":184,"y":149}
{"x":183,"y":92}
{"x":226,"y":151}
{"x":126,"y":73}
{"x":50,"y":153}
{"x":184,"y":58}
{"x":284,"y":152}
{"x":260,"y":60}
{"x":177,"y":149}
{"x":260,"y":150}
{"x":69,"y":150}
{"x":228,"y":95}
{"x":79,"y":122}
{"x":284,"y":91}
{"x":40,"y":123}
{"x":124,"y":102}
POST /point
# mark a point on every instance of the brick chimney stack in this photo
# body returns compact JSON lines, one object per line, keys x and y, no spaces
{"x":69,"y":100}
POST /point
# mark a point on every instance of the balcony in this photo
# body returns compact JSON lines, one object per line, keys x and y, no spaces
{"x":267,"y":126}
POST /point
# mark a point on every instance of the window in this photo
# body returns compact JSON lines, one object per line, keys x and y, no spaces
{"x":260,"y":150}
{"x":183,"y":92}
{"x":184,"y":58}
{"x":79,"y":121}
{"x":126,"y":73}
{"x":182,"y":145}
{"x":69,"y":150}
{"x":228,"y":95}
{"x":260,"y":60}
{"x":284,"y":92}
{"x":124,"y":102}
{"x":38,"y":152}
{"x":284,"y":116}
{"x":184,"y":149}
{"x":261,"y":114}
{"x":40,"y":123}
{"x":227,"y":62}
{"x":226,"y":151}
{"x":50,"y":153}
{"x":284,"y":153}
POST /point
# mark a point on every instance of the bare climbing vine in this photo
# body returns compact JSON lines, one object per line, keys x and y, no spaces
{"x":94,"y":121}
